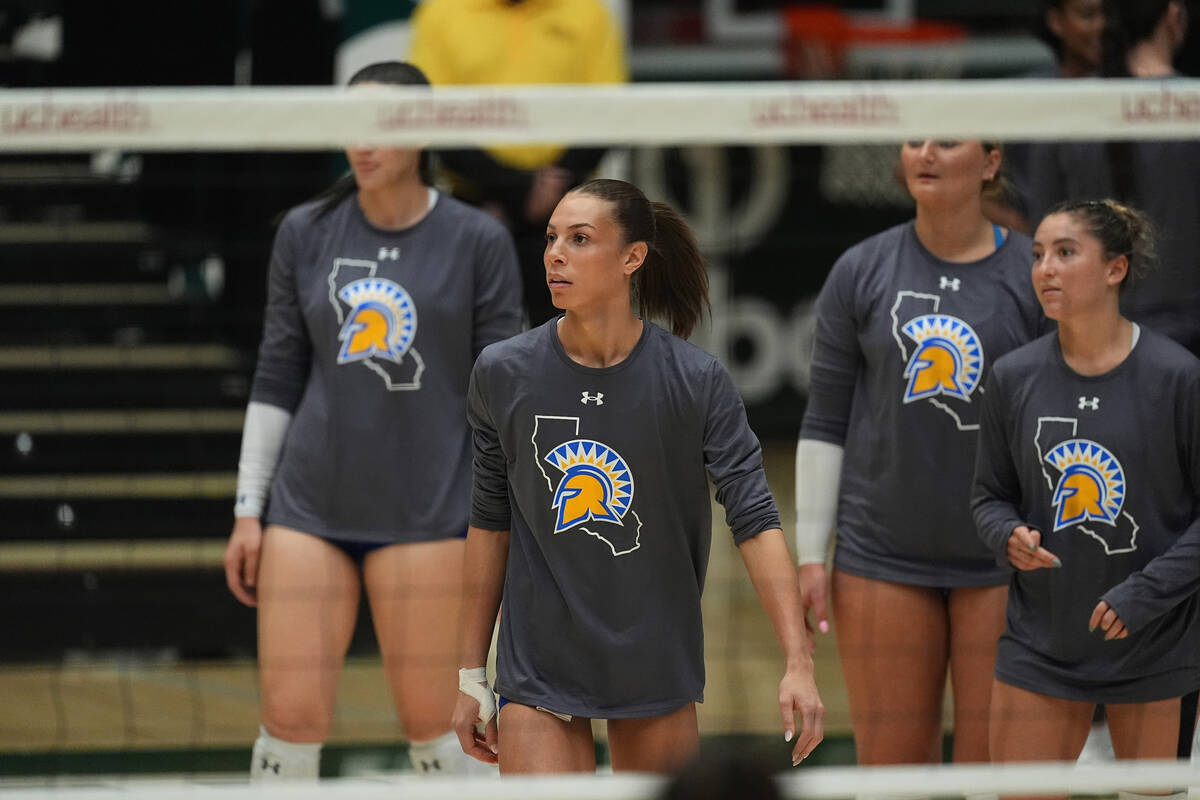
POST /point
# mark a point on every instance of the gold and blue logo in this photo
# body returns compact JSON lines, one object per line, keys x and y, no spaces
{"x":1091,"y":486}
{"x":382,"y":321}
{"x":596,"y":484}
{"x":948,"y":359}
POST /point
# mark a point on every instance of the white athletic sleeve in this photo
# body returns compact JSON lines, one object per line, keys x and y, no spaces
{"x":262,"y":439}
{"x":818,"y":472}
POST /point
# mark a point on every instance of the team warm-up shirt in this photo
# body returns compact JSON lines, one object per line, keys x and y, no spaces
{"x":369,"y":338}
{"x":904,"y":342}
{"x":601,"y":477}
{"x":1107,"y":469}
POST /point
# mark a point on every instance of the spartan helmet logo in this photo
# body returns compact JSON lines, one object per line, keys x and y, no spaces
{"x":948,"y":359}
{"x":596,"y":484}
{"x":382,"y":321}
{"x":1091,"y":486}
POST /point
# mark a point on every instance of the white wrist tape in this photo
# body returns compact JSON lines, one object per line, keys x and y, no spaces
{"x":473,"y":683}
{"x":818,"y":473}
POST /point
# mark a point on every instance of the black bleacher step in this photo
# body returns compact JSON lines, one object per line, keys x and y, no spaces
{"x":207,"y":387}
{"x":165,"y":322}
{"x":68,"y":261}
{"x":189,"y":611}
{"x":43,"y":201}
{"x":33,"y":453}
{"x":68,"y":519}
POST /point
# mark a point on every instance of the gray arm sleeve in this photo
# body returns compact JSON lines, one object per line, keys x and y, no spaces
{"x":733,"y":458}
{"x":1173,"y":575}
{"x":997,"y":489}
{"x":285,"y":352}
{"x":263,"y":433}
{"x":490,"y":509}
{"x":497,"y":293}
{"x":836,"y":360}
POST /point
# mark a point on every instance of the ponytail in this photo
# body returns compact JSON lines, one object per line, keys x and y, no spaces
{"x":672,"y":283}
{"x":1121,"y":229}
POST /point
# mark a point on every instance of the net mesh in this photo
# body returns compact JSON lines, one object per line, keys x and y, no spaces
{"x":135,"y":246}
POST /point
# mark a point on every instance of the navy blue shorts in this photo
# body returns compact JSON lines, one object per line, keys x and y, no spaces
{"x":358,"y":551}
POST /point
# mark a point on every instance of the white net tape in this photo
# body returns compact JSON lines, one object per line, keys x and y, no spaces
{"x":808,"y":784}
{"x":643,"y":114}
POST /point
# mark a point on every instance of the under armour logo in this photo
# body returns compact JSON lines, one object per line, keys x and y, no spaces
{"x":597,"y":398}
{"x":949,"y":283}
{"x":385,"y":254}
{"x":268,"y":766}
{"x":1093,"y":404}
{"x":431,"y":766}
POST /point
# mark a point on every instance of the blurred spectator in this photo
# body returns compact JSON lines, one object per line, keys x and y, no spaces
{"x":1074,"y":30}
{"x":466,"y":42}
{"x":1141,"y":40}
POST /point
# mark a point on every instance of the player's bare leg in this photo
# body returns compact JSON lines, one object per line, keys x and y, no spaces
{"x":893,"y":643}
{"x":415,"y":591}
{"x":1144,"y":730}
{"x":307,"y":605}
{"x":976,"y":622}
{"x":536,"y":742}
{"x":1028,"y":726}
{"x":654,"y":744}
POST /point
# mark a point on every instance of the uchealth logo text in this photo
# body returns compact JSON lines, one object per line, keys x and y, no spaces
{"x":799,"y":109}
{"x":1161,"y":106}
{"x":50,"y":116}
{"x":495,"y":112}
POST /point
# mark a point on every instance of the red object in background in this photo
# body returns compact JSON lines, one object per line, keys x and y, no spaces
{"x":818,"y":35}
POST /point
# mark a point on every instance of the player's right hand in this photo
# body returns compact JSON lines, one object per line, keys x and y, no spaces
{"x":1025,"y":551}
{"x":482,"y":745}
{"x":814,"y":595}
{"x":241,"y":559}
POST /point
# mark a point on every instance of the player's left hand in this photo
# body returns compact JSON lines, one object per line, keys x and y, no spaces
{"x":1106,"y":618}
{"x":798,"y":696}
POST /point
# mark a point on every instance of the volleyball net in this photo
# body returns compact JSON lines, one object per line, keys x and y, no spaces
{"x":135,"y":237}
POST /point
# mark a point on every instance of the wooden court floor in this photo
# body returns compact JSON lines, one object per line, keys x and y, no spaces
{"x":124,"y":703}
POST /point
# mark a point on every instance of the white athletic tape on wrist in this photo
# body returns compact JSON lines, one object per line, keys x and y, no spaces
{"x":473,"y":683}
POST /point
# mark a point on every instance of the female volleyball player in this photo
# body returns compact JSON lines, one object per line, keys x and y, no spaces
{"x":381,"y":294}
{"x":908,"y":323}
{"x":590,"y":519}
{"x":1088,"y":483}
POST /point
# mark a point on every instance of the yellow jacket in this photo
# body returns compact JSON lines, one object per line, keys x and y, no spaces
{"x":467,"y":42}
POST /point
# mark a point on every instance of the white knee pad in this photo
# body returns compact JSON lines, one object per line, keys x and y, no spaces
{"x":444,"y":756}
{"x":276,"y":760}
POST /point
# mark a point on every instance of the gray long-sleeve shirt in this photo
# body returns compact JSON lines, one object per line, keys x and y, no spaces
{"x":369,"y":338}
{"x":600,"y":477}
{"x":904,"y":342}
{"x":1107,"y":469}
